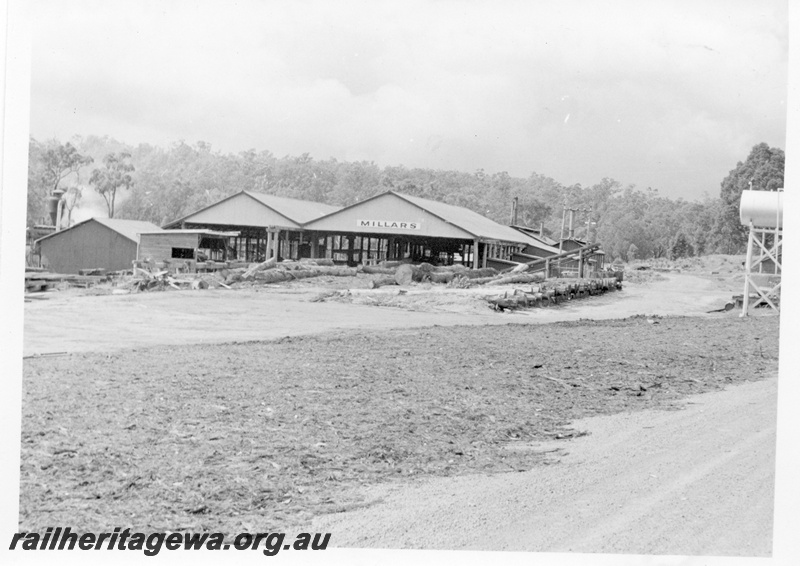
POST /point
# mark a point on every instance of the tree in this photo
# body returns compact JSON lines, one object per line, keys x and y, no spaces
{"x":49,"y":164}
{"x":761,"y":171}
{"x":632,"y":252}
{"x":60,"y":162}
{"x":116,"y":175}
{"x":681,"y":247}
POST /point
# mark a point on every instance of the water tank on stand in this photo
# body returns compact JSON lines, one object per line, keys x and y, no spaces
{"x":762,"y":213}
{"x":763,"y":208}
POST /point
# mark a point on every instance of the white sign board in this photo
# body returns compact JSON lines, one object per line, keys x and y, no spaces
{"x":396,"y":224}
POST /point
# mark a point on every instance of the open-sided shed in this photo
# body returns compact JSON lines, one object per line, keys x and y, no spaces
{"x":267,"y":225}
{"x":104,"y":243}
{"x":392,"y":225}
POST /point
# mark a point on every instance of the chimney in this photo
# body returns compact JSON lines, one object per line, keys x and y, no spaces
{"x":54,"y":204}
{"x":514,"y":216}
{"x":571,"y":232}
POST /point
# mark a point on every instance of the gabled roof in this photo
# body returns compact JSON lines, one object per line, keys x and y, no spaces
{"x":301,"y":211}
{"x":539,"y":244}
{"x":461,"y":218}
{"x":534,"y":233}
{"x":466,"y":219}
{"x":128,"y":228}
{"x":198,"y":231}
{"x":296,"y":211}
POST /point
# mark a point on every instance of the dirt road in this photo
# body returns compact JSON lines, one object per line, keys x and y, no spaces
{"x":68,"y":322}
{"x":698,"y":481}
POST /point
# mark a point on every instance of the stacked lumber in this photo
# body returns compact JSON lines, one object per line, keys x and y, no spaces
{"x":36,"y":281}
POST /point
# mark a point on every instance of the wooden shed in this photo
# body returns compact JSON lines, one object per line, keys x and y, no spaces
{"x":184,"y":246}
{"x":105,"y":243}
{"x":537,"y":245}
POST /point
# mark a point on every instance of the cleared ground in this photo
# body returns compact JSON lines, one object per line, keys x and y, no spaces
{"x":366,"y":414}
{"x":73,"y":321}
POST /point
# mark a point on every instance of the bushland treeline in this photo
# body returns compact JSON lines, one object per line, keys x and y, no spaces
{"x":162,"y":184}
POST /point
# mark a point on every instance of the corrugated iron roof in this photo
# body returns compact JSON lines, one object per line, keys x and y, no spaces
{"x":127,"y":228}
{"x":468,"y":220}
{"x":301,"y":211}
{"x":534,"y":233}
{"x":295,"y":210}
{"x":201,"y":231}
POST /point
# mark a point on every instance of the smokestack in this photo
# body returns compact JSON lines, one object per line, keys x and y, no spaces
{"x":59,"y":213}
{"x":52,"y":209}
{"x":54,"y":204}
{"x":514,"y":204}
{"x":571,"y":232}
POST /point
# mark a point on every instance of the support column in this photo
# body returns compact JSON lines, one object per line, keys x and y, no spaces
{"x":747,"y":271}
{"x":350,"y":245}
{"x":268,"y":251}
{"x":475,"y":249}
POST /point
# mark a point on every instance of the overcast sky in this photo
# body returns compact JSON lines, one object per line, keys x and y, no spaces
{"x":668,"y":95}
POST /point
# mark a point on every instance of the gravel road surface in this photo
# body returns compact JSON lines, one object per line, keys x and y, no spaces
{"x":696,"y":481}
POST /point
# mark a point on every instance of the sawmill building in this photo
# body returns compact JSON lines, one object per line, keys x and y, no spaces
{"x":393,"y":225}
{"x":263,"y":222}
{"x":387,"y":226}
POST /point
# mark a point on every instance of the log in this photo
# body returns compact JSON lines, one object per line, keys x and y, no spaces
{"x":317,"y":261}
{"x":480,"y":273}
{"x":302,"y":273}
{"x":517,"y":278}
{"x":378,"y":269}
{"x":278,"y":275}
{"x":337,"y":271}
{"x":272,"y":276}
{"x":443,"y":277}
{"x":455,"y":268}
{"x":234,"y":276}
{"x":254,"y":268}
{"x":404,"y":275}
{"x":382,"y":282}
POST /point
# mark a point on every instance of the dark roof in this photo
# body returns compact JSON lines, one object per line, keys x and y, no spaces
{"x":127,"y":228}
